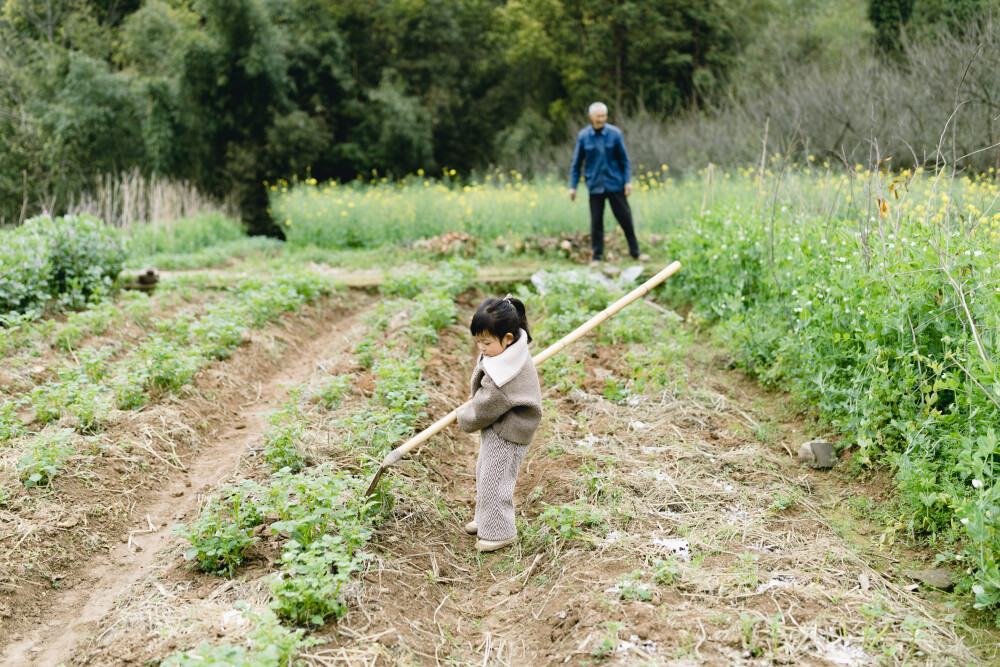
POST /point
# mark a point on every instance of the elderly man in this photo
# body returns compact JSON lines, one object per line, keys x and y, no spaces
{"x":601,"y":149}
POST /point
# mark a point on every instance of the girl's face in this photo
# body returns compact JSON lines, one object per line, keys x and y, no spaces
{"x":490,"y":345}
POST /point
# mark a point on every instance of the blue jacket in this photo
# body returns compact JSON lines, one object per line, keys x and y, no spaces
{"x":605,"y":159}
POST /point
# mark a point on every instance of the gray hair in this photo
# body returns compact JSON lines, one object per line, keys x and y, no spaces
{"x":597,"y":106}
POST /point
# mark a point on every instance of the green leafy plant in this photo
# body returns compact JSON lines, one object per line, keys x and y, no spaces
{"x":280,"y":449}
{"x":329,"y":393}
{"x":11,"y":426}
{"x":569,"y":520}
{"x":313,"y":502}
{"x":46,"y":453}
{"x":600,"y":480}
{"x":306,"y":591}
{"x":270,"y":645}
{"x":781,"y":502}
{"x":399,"y":387}
{"x":747,"y":625}
{"x":168,"y":364}
{"x":281,"y":440}
{"x":667,"y":571}
{"x":77,"y":396}
{"x":615,"y":390}
{"x":631,"y":587}
{"x":747,"y":570}
{"x":608,"y":642}
{"x":224,"y":529}
{"x":563,"y":373}
{"x":206,"y":655}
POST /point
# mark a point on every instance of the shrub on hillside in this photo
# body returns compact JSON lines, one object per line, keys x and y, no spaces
{"x":68,"y":258}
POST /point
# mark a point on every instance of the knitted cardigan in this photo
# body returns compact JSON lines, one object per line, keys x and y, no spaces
{"x":506,"y":395}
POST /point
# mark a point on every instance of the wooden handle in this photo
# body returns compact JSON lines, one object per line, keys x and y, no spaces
{"x":590,"y":324}
{"x":438,"y":426}
{"x":422,"y":437}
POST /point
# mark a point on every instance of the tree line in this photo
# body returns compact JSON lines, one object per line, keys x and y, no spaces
{"x":226,"y":94}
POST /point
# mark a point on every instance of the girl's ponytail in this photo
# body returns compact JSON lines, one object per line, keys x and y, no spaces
{"x":522,"y":315}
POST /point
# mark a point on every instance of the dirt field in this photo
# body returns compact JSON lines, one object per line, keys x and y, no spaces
{"x":698,"y":538}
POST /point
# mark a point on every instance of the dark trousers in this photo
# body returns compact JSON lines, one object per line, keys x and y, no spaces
{"x":623,"y":214}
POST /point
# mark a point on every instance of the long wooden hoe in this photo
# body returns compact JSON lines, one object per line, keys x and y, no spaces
{"x":395,"y":455}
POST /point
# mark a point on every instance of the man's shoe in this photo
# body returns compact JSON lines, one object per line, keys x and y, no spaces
{"x":595,"y":264}
{"x":472,"y":528}
{"x":643,"y":257}
{"x":493,"y":545}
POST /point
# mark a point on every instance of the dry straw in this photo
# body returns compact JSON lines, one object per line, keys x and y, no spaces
{"x":131,"y":198}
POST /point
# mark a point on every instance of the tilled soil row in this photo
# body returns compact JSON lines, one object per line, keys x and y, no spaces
{"x":108,"y":530}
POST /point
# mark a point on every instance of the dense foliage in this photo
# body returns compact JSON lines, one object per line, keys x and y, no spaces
{"x":71,"y":259}
{"x":228,"y":93}
{"x":885,"y":319}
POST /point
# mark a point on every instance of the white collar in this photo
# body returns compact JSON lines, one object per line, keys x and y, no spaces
{"x":508,"y":363}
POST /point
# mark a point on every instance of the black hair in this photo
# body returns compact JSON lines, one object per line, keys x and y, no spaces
{"x":499,"y":317}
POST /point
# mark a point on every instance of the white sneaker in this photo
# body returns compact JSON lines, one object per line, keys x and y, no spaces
{"x":643,"y":257}
{"x":472,"y":528}
{"x":493,"y":545}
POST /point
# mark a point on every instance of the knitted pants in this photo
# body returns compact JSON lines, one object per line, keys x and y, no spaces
{"x":496,"y":474}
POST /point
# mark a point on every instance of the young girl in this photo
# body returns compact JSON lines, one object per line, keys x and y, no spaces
{"x":507,"y":406}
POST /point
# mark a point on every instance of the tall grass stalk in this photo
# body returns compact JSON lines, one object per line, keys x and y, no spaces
{"x":130,"y":198}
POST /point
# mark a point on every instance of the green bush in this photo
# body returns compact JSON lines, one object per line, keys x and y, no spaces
{"x":885,"y":324}
{"x":24,"y":273}
{"x":72,"y":259}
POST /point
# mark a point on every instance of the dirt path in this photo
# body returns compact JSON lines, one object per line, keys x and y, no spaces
{"x":73,"y":613}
